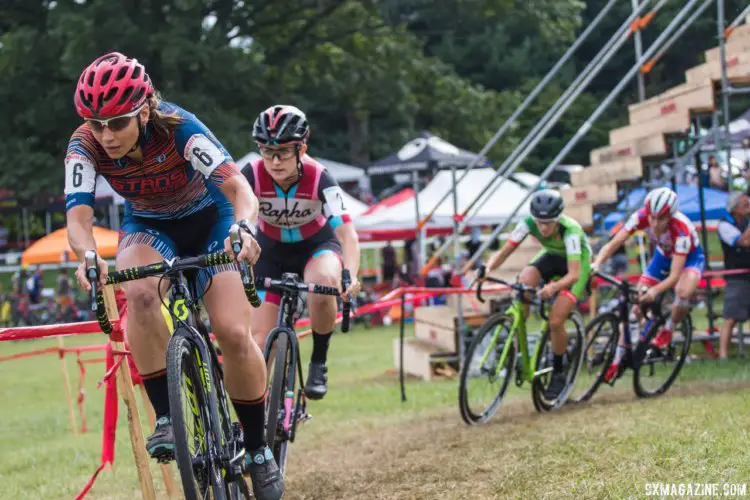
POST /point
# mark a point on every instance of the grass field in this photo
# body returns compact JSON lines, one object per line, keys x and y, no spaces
{"x":364,"y":443}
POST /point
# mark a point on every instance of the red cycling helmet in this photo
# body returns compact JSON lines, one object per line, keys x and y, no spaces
{"x":112,"y":85}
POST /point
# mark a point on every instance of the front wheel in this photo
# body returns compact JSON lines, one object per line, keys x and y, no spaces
{"x":601,"y":343}
{"x":189,"y":410}
{"x":487,"y":370}
{"x":543,"y":365}
{"x":656,"y":369}
{"x":276,"y":419}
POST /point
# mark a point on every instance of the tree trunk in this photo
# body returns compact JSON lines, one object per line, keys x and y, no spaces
{"x":358,"y":124}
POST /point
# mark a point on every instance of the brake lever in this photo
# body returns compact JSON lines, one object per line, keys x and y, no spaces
{"x":92,"y":275}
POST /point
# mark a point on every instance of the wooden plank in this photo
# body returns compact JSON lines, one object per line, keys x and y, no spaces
{"x":589,"y":195}
{"x":736,"y":47}
{"x":741,"y":31}
{"x":673,"y":123}
{"x":444,"y":338}
{"x":417,"y":357}
{"x":445,"y":317}
{"x":625,"y":169}
{"x":711,"y":71}
{"x":584,"y":214}
{"x":653,"y":146}
{"x":667,"y":94}
{"x":700,"y":99}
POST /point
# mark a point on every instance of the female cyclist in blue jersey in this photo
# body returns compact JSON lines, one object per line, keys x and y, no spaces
{"x":303,"y":228}
{"x":183,"y":192}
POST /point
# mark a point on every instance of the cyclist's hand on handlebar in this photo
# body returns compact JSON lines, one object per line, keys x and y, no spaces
{"x":594,"y":268}
{"x":547,"y":291}
{"x":250,"y":251}
{"x":648,"y":296}
{"x":103,"y":273}
{"x":352,"y":290}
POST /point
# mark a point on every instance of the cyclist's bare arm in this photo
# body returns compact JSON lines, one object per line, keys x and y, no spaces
{"x":80,"y":225}
{"x":497,"y":258}
{"x":241,"y":196}
{"x":611,"y":247}
{"x":567,"y":281}
{"x":349,"y":240}
{"x":675,"y":270}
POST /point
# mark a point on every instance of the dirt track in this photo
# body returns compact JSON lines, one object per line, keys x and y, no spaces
{"x":519,"y":454}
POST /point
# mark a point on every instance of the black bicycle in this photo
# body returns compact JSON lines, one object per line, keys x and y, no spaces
{"x":654,"y":370}
{"x":208,"y":444}
{"x":285,"y":410}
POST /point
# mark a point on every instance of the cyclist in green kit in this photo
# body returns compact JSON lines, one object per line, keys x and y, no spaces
{"x":564,"y":265}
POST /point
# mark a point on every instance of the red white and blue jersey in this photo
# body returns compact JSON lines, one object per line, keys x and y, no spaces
{"x":680,"y":238}
{"x":180,"y":175}
{"x":312,"y":207}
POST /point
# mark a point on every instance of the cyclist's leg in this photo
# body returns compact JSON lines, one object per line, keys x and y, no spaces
{"x":146,"y":330}
{"x":531,"y":275}
{"x":686,"y":286}
{"x":323,"y":268}
{"x":244,"y":366}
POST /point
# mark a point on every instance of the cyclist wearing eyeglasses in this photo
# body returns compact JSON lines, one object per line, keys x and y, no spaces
{"x":182,"y":193}
{"x":678,"y":261}
{"x":304,"y":228}
{"x":563,"y":265}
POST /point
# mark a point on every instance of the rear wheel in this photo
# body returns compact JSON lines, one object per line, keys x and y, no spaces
{"x":487,"y":370}
{"x":201,"y":476}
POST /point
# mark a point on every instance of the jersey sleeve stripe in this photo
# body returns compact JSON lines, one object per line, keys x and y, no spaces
{"x":75,"y":199}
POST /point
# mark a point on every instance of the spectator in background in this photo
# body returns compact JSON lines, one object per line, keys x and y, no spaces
{"x":734,"y":233}
{"x":390,"y":262}
{"x":35,"y":285}
{"x":475,"y":240}
{"x":716,"y":179}
{"x":64,"y":293}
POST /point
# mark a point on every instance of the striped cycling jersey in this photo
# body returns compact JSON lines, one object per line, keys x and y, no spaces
{"x":312,"y":207}
{"x":680,"y":238}
{"x":181,"y":172}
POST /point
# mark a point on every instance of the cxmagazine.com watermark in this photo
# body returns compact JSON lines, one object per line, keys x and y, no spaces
{"x":677,"y":490}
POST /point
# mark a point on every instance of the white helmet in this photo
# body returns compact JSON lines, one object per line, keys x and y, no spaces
{"x":661,"y":201}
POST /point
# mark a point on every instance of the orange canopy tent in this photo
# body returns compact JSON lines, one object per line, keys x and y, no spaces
{"x":49,"y":250}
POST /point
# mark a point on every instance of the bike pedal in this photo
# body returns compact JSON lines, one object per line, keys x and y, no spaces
{"x":164,"y":458}
{"x":541,"y":372}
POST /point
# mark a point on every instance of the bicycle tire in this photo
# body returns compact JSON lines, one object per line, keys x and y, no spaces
{"x":608,"y":354}
{"x":686,"y":325}
{"x":537,"y":387}
{"x":467,"y":414}
{"x":276,"y":396}
{"x":181,"y":355}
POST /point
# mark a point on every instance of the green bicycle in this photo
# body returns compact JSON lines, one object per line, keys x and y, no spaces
{"x":501,"y":349}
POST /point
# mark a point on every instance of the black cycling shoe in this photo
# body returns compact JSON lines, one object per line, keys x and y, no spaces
{"x":317,"y":378}
{"x":556,"y":386}
{"x":160,"y":444}
{"x":264,"y":474}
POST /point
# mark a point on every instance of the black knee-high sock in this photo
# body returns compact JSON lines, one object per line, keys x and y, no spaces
{"x":252,"y":416}
{"x":156,"y":387}
{"x":320,"y":347}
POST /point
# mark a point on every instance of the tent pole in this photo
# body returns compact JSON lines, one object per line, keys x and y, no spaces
{"x":704,"y":237}
{"x":457,"y":259}
{"x":420,"y":233}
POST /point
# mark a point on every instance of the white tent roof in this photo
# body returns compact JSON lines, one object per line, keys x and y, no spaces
{"x":500,"y":205}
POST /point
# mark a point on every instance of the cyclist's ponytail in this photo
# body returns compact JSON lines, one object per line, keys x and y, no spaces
{"x":162,"y":121}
